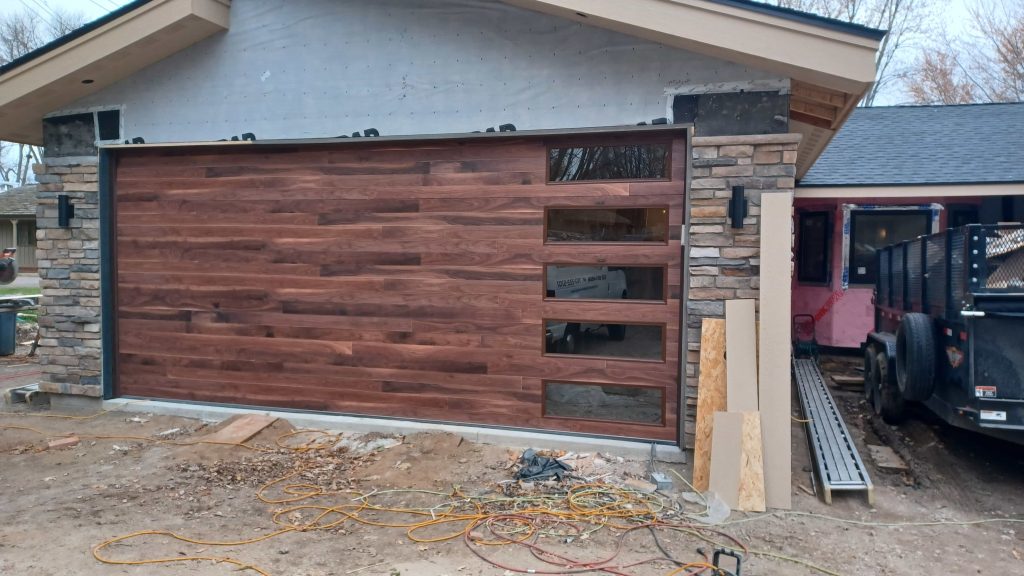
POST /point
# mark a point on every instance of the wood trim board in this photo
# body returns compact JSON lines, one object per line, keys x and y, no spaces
{"x":737,"y":473}
{"x":741,"y":356}
{"x":774,"y":383}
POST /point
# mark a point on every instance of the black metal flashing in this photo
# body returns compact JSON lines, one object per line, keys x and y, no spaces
{"x":108,"y":300}
{"x":805,"y":17}
{"x":73,"y":35}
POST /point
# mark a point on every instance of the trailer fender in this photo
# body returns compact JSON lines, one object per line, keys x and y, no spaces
{"x":915,"y":356}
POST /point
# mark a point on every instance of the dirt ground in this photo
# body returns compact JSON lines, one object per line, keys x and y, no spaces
{"x":57,"y":505}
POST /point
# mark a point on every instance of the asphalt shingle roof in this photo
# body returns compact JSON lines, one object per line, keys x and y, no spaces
{"x":18,"y":202}
{"x":903,"y":145}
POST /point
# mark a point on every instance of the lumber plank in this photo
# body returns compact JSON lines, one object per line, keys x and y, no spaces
{"x":775,"y":388}
{"x":741,"y":356}
{"x":239,"y":428}
{"x":711,"y":391}
{"x":726,"y":444}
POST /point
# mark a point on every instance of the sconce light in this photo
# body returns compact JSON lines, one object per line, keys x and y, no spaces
{"x":738,"y":206}
{"x":65,"y":211}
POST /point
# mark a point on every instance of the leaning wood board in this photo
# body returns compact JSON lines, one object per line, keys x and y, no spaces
{"x":737,"y":466}
{"x":741,"y":355}
{"x":774,"y":380}
{"x":375,"y":278}
{"x":710,"y":396}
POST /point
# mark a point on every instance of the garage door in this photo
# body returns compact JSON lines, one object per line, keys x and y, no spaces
{"x":525,"y":281}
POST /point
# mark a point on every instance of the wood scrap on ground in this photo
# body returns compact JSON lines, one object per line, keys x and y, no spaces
{"x":239,"y":428}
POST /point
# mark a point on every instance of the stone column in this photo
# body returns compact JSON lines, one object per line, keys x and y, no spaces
{"x":723,"y":262}
{"x":69,"y":277}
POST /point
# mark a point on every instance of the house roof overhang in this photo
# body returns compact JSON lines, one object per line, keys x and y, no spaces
{"x":831,"y":64}
{"x":98,"y":55}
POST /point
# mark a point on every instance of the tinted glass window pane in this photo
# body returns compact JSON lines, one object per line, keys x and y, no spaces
{"x":603,"y":402}
{"x":814,"y":247}
{"x":623,"y":162}
{"x":606,"y":282}
{"x":607,"y":225}
{"x":632,"y":341}
{"x":109,"y":124}
{"x":872,"y":231}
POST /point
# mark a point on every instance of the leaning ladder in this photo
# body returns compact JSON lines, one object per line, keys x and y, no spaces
{"x":835,"y":455}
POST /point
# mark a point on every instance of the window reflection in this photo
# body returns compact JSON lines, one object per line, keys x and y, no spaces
{"x":623,"y":162}
{"x":631,"y":341}
{"x":606,"y":282}
{"x":604,"y":402}
{"x":607,"y":225}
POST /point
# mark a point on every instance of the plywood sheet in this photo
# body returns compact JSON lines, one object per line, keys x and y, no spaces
{"x":239,"y":429}
{"x":737,"y":473}
{"x":740,"y":356}
{"x":775,"y":386}
{"x":711,"y":389}
{"x":751,"y":484}
{"x":725,"y":457}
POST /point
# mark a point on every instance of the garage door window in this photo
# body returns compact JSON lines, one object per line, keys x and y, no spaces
{"x":606,"y":224}
{"x":633,"y":404}
{"x":609,"y":162}
{"x":573,"y":282}
{"x":605,"y":340}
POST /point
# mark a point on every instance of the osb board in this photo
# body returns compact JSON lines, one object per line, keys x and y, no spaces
{"x":737,"y":465}
{"x":740,"y":356}
{"x":752,"y":489}
{"x":710,"y":396}
{"x":385,"y":279}
{"x":774,"y":372}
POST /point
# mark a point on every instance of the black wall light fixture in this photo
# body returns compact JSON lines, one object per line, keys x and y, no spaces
{"x":65,"y":211}
{"x":738,"y":206}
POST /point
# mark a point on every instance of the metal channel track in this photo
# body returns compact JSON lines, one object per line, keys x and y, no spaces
{"x":836,"y":458}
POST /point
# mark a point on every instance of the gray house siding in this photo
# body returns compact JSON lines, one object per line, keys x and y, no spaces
{"x":324,"y":68}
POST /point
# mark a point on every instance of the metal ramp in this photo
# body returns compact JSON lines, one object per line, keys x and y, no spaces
{"x":835,"y":455}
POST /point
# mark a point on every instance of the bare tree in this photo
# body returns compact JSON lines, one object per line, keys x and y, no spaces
{"x":986,"y":65}
{"x":21,"y":33}
{"x":907,"y":23}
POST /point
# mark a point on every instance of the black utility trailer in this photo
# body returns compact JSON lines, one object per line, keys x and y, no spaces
{"x":949,"y":329}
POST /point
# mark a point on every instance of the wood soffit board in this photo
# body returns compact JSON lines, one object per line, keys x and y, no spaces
{"x":106,"y":55}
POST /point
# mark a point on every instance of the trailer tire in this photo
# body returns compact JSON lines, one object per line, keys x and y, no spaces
{"x":888,"y":400}
{"x":915,"y":357}
{"x":870,"y":367}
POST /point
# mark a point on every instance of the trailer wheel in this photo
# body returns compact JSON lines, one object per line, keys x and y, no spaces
{"x":915,"y":357}
{"x":870,"y":367}
{"x":888,"y":401}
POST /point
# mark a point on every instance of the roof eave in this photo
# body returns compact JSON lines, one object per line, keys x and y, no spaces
{"x":143,"y":33}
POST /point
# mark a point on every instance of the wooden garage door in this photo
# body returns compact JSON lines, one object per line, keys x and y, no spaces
{"x":519,"y":281}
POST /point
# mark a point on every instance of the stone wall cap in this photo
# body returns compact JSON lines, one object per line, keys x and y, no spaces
{"x":71,"y":160}
{"x":747,"y":139}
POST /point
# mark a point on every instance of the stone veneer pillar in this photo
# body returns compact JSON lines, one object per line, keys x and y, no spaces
{"x":723,"y":262}
{"x":69,"y":276}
